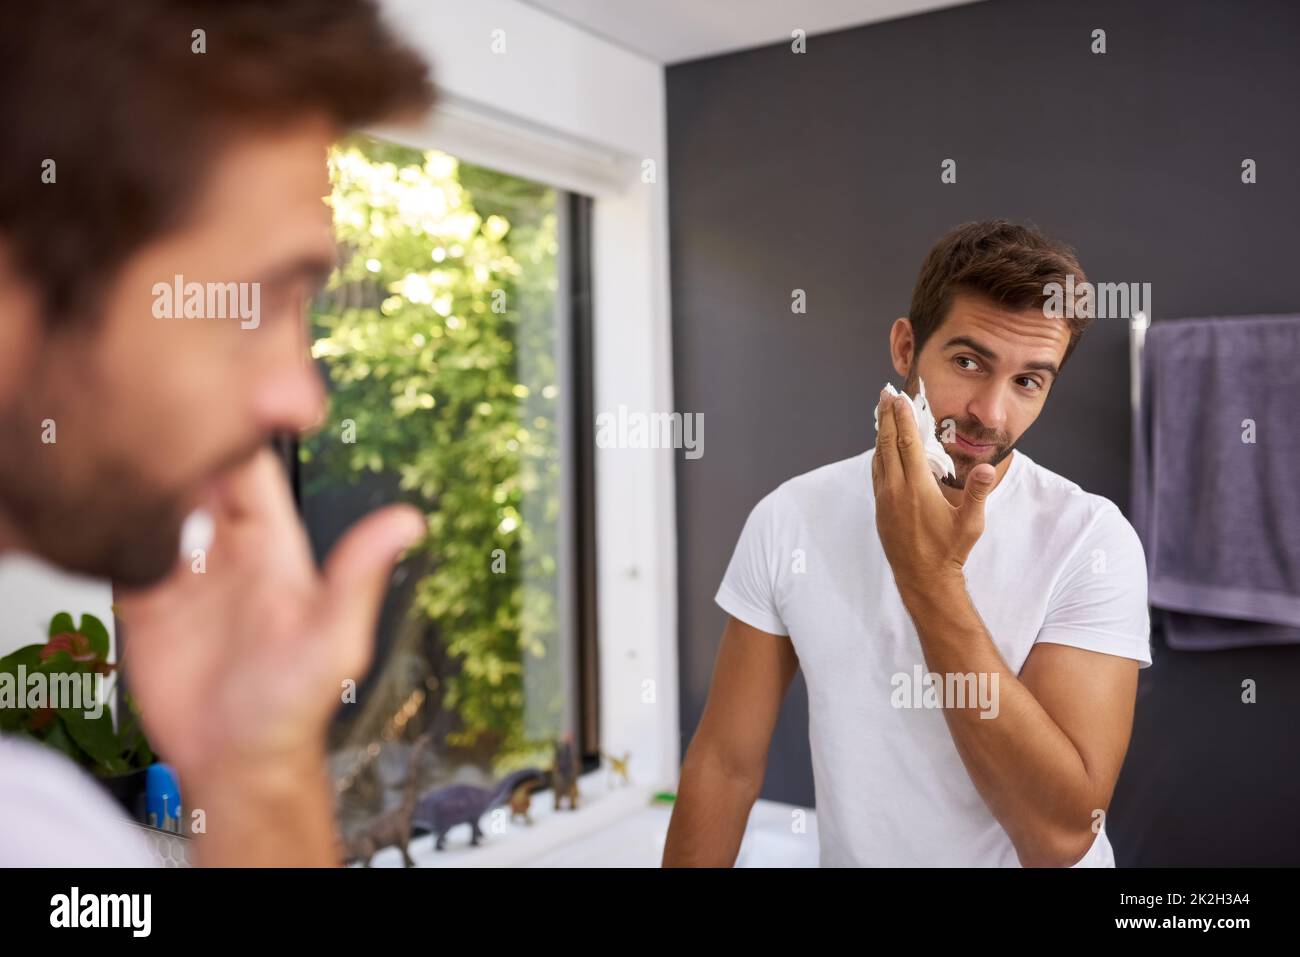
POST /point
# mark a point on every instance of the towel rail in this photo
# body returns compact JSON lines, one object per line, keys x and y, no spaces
{"x":1137,"y":332}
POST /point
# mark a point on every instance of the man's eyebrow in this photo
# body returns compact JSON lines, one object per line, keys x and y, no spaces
{"x":973,"y":346}
{"x":983,"y":350}
{"x":1044,"y":367}
{"x":314,"y":267}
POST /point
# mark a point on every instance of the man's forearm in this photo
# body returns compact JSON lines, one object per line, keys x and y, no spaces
{"x":709,"y":816}
{"x":1028,"y":771}
{"x":280,"y":817}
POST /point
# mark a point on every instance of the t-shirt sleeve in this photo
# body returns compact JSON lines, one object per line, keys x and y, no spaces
{"x":1100,"y":601}
{"x":53,"y":815}
{"x":748,"y":590}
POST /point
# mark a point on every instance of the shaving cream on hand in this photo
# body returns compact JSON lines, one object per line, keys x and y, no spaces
{"x":197,"y":532}
{"x":940,"y":462}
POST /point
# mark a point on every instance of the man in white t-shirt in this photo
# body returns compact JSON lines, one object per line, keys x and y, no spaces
{"x":971,"y":645}
{"x":129,"y":163}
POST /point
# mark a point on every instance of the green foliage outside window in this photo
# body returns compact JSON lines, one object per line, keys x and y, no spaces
{"x":437,"y":331}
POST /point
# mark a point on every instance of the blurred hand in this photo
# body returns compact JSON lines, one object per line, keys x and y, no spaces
{"x":239,"y":669}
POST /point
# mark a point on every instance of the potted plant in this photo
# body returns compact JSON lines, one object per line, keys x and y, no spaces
{"x":58,"y":692}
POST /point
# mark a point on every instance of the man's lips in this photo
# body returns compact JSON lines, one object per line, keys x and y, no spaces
{"x":969,"y":446}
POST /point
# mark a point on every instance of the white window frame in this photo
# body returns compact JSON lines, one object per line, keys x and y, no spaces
{"x":566,"y":108}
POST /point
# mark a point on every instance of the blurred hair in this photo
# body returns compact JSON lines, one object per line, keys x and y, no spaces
{"x":113,"y":93}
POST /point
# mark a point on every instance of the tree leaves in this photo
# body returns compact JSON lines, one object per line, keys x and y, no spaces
{"x":454,"y":396}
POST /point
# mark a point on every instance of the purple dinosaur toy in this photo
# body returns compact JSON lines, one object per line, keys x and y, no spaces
{"x":441,"y":810}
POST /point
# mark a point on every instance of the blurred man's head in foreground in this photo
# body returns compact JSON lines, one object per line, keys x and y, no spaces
{"x":162,"y":228}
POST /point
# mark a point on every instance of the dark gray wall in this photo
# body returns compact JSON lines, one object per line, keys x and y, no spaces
{"x":821,"y":171}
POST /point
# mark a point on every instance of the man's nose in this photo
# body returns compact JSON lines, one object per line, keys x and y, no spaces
{"x":989,"y":405}
{"x":292,"y":400}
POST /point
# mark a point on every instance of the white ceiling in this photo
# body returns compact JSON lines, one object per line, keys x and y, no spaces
{"x":669,"y":31}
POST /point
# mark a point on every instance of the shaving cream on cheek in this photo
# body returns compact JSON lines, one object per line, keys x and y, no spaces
{"x":940,"y":461}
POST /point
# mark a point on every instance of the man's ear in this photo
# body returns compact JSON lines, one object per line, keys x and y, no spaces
{"x":902,"y":346}
{"x":20,"y":324}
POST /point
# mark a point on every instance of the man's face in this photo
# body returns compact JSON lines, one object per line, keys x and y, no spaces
{"x":146,"y":413}
{"x":987,"y":372}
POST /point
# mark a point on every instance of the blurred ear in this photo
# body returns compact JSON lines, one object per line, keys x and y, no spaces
{"x":20,"y":325}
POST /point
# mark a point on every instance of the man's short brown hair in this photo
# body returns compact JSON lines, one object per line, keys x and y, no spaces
{"x":1008,"y":264}
{"x":117,"y":95}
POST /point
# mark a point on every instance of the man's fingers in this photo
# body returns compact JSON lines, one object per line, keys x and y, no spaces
{"x":256,"y":516}
{"x":357,"y":574}
{"x":886,"y":450}
{"x":978,"y":485}
{"x":980,"y":482}
{"x":258,"y":489}
{"x":911,"y":450}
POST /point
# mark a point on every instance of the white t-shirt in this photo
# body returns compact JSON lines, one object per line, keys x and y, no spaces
{"x":1055,"y":564}
{"x":53,"y":815}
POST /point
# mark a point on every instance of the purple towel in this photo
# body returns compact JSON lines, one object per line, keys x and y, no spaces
{"x":1219,"y":516}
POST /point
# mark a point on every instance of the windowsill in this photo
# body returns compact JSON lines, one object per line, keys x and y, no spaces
{"x":600,"y":804}
{"x":615,"y":826}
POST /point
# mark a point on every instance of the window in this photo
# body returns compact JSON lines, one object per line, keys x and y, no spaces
{"x":455,"y":341}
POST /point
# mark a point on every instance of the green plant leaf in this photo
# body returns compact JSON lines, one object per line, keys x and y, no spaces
{"x":60,"y":623}
{"x":94,"y":629}
{"x":137,"y":753}
{"x":95,"y":736}
{"x":135,"y":745}
{"x":58,"y":738}
{"x":113,"y":766}
{"x":29,"y":655}
{"x":11,"y":719}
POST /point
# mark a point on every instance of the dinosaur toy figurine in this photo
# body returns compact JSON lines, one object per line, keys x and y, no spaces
{"x":392,"y":829}
{"x":564,"y":773}
{"x":441,"y":810}
{"x":619,"y":766}
{"x":521,"y":799}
